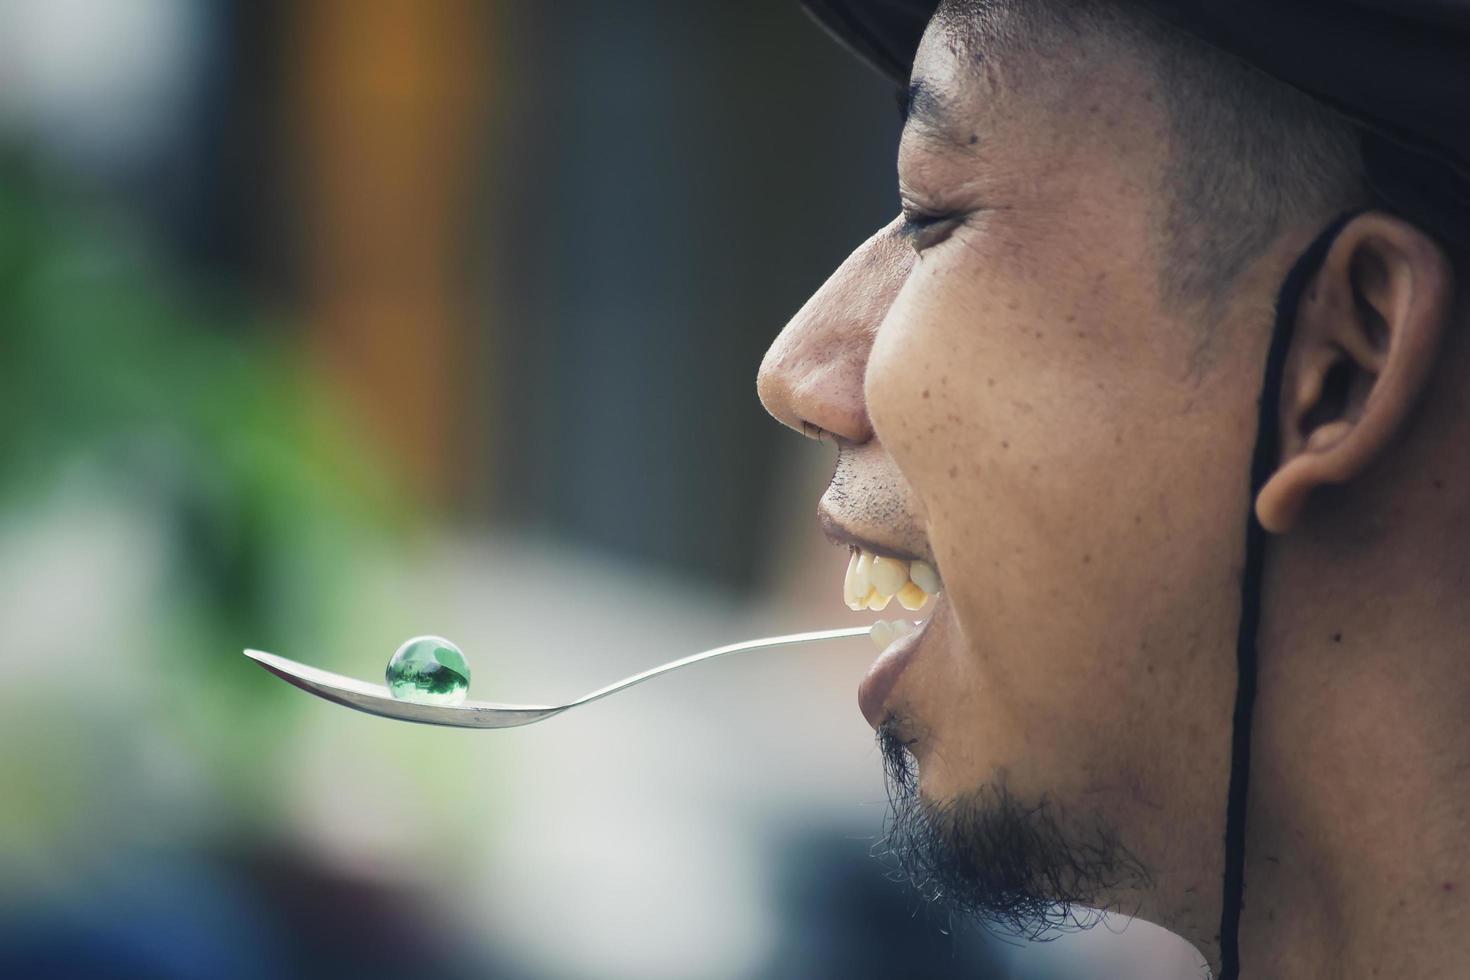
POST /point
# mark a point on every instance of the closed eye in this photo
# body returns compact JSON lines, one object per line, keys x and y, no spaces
{"x":924,"y":229}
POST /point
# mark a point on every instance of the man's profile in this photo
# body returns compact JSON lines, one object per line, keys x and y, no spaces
{"x":1045,"y":379}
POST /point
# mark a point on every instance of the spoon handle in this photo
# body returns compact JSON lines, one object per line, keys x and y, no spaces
{"x":769,"y":641}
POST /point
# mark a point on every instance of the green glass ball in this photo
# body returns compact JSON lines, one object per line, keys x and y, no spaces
{"x":429,"y":669}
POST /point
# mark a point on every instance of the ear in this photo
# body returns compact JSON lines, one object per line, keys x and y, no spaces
{"x":1368,"y":330}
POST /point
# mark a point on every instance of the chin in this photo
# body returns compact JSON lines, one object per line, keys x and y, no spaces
{"x":1023,"y":867}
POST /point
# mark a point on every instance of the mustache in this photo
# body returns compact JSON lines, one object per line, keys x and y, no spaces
{"x":1020,"y":869}
{"x":868,"y":493}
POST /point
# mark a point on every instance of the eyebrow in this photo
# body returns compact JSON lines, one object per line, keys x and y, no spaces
{"x":923,"y":105}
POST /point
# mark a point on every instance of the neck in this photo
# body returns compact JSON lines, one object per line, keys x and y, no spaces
{"x":1358,"y":830}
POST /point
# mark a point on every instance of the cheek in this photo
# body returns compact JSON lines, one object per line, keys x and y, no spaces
{"x":1064,"y":483}
{"x":921,"y":383}
{"x":948,"y":390}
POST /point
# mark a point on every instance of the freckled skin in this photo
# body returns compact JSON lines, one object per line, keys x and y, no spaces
{"x":1019,"y":403}
{"x":1005,"y":439}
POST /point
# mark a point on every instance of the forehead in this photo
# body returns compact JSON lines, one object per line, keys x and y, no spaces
{"x":950,"y":115}
{"x":964,"y":131}
{"x":968,"y":98}
{"x":950,"y":86}
{"x":983,"y":88}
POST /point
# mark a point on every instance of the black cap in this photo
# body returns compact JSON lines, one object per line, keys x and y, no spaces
{"x":1397,"y":69}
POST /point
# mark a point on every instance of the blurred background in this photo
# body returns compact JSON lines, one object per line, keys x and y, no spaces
{"x":328,"y":323}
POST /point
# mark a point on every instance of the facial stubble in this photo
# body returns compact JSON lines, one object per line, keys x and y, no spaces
{"x":1021,"y":868}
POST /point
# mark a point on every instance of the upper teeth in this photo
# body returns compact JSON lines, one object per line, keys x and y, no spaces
{"x":922,"y":574}
{"x":873,"y":580}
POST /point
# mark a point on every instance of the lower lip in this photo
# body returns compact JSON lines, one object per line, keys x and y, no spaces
{"x":875,"y":688}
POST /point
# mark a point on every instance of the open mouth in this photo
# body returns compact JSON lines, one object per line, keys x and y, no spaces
{"x":873,"y":581}
{"x":879,"y":572}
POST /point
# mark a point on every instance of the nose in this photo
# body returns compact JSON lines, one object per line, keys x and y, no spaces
{"x":812,"y":376}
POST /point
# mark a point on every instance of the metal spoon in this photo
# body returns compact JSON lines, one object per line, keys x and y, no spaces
{"x":375,"y":699}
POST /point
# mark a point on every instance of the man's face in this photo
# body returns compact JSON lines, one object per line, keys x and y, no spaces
{"x":1016,"y":401}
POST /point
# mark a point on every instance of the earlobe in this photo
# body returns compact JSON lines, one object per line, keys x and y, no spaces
{"x":1366,"y":335}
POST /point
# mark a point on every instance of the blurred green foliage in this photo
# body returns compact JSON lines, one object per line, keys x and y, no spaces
{"x":192,"y":410}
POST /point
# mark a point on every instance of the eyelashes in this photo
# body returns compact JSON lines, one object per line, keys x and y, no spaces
{"x":916,"y":222}
{"x":923,"y":229}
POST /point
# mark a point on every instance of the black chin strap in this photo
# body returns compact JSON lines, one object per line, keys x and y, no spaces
{"x":1263,"y":462}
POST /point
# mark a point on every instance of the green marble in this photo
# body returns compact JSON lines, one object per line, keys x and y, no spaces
{"x":429,"y":669}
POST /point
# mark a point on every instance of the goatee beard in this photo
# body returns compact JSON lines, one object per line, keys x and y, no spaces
{"x":1019,"y":868}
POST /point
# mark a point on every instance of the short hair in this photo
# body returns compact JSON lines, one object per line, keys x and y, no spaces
{"x":1248,"y":155}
